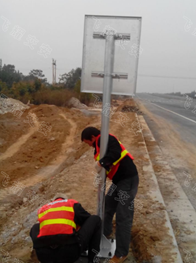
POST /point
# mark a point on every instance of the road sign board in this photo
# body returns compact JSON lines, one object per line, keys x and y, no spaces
{"x":126,"y":53}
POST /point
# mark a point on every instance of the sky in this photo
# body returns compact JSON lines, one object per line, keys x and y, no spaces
{"x":32,"y":32}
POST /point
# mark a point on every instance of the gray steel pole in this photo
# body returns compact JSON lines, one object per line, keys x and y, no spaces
{"x":107,"y":89}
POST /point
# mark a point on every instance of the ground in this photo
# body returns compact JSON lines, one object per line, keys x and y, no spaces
{"x":42,"y":155}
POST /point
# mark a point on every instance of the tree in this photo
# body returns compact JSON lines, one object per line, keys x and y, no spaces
{"x":83,"y":97}
{"x":192,"y":94}
{"x":71,"y":78}
{"x":37,"y":84}
{"x":3,"y":87}
{"x":9,"y":75}
{"x":36,"y":74}
{"x":22,"y":92}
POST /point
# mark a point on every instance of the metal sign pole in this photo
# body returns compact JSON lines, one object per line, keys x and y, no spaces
{"x":92,"y":67}
{"x":105,"y":119}
{"x":106,"y":247}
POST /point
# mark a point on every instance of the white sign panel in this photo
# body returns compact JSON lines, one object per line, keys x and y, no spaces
{"x":127,"y":50}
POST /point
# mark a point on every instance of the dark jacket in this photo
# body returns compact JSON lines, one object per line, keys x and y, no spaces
{"x":54,"y":240}
{"x":127,"y":167}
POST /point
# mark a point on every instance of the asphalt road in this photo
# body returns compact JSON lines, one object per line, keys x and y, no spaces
{"x":178,"y":111}
{"x":172,"y":121}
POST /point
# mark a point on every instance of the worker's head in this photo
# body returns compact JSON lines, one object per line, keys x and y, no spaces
{"x":89,"y":135}
{"x":59,"y":195}
{"x":62,"y":198}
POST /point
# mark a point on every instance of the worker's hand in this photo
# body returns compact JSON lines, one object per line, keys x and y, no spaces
{"x":98,"y":167}
{"x":77,"y":228}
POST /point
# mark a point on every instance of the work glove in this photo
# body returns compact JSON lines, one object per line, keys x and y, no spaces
{"x":98,"y":167}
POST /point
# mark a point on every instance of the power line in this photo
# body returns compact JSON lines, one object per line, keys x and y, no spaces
{"x":164,"y":77}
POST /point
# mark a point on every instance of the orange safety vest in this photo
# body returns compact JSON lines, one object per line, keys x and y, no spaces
{"x":113,"y":169}
{"x":57,"y":217}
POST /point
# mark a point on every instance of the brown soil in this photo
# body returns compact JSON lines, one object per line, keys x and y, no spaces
{"x":60,"y":163}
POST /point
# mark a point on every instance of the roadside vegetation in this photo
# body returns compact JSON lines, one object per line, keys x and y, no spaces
{"x":191,"y":94}
{"x":35,"y":88}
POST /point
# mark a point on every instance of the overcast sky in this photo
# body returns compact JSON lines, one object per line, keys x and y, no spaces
{"x":32,"y":32}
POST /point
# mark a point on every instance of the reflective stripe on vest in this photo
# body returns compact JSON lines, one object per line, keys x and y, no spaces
{"x":62,"y":208}
{"x":57,"y":217}
{"x":58,"y":221}
{"x":116,"y":164}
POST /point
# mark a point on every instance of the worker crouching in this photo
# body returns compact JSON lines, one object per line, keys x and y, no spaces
{"x":64,"y":231}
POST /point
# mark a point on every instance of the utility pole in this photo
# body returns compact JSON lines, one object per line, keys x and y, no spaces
{"x":53,"y":71}
{"x":0,"y":64}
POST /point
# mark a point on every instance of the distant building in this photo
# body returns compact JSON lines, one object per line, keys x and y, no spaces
{"x":0,"y":64}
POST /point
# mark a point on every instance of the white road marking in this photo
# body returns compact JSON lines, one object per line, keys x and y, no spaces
{"x":174,"y":112}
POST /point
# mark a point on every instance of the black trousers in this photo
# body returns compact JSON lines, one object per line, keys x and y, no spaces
{"x":89,"y":237}
{"x":120,"y":200}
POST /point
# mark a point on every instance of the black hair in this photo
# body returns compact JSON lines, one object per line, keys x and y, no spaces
{"x":59,"y":198}
{"x":88,"y":132}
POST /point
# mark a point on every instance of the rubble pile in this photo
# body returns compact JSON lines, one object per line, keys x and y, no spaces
{"x":128,"y":108}
{"x":74,"y":102}
{"x":11,"y":105}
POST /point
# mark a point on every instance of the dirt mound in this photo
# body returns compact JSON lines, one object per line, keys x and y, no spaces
{"x":34,"y":147}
